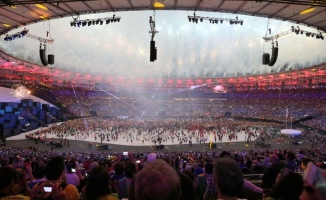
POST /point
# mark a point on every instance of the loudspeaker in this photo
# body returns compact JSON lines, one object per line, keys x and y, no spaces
{"x":274,"y":56}
{"x":153,"y":52}
{"x":266,"y":58}
{"x":51,"y":59}
{"x":43,"y":57}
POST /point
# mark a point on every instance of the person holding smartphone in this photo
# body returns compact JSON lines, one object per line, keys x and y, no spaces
{"x":55,"y":185}
{"x":71,"y":174}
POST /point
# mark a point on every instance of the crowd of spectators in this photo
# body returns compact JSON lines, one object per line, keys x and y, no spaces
{"x":285,"y":105}
{"x":28,"y":173}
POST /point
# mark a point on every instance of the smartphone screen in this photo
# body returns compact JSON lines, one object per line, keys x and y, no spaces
{"x":125,"y":153}
{"x":137,"y":161}
{"x":73,"y":170}
{"x":47,"y":189}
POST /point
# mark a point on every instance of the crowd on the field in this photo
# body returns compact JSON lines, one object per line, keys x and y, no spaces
{"x":158,"y":132}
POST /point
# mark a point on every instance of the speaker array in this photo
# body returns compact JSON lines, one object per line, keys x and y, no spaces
{"x":46,"y":60}
{"x":43,"y":57}
{"x":51,"y":59}
{"x":270,"y":60}
{"x":153,"y":52}
{"x":274,"y":56}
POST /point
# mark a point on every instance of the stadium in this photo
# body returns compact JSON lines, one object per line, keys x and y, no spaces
{"x":124,"y":83}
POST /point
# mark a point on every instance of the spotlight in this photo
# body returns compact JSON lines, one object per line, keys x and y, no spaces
{"x":98,"y":21}
{"x":16,"y":35}
{"x":210,"y":20}
{"x":201,"y":19}
{"x":292,"y":28}
{"x":241,"y":23}
{"x":189,"y":18}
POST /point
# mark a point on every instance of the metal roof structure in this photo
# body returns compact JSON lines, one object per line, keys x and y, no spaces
{"x":15,"y":13}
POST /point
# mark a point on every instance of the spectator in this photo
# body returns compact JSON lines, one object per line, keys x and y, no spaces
{"x":54,"y":173}
{"x":228,"y":178}
{"x":204,"y":184}
{"x":290,"y":162}
{"x":38,"y":174}
{"x":272,"y":171}
{"x":157,"y":181}
{"x":8,"y":177}
{"x":289,"y":185}
{"x":125,"y":182}
{"x":98,"y":185}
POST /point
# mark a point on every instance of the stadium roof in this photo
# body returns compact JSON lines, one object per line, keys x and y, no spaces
{"x":14,"y":13}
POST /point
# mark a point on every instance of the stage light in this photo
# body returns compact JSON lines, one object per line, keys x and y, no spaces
{"x":16,"y":35}
{"x":211,"y":20}
{"x":41,"y":6}
{"x":308,"y":10}
{"x":98,"y":21}
{"x":158,"y":5}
